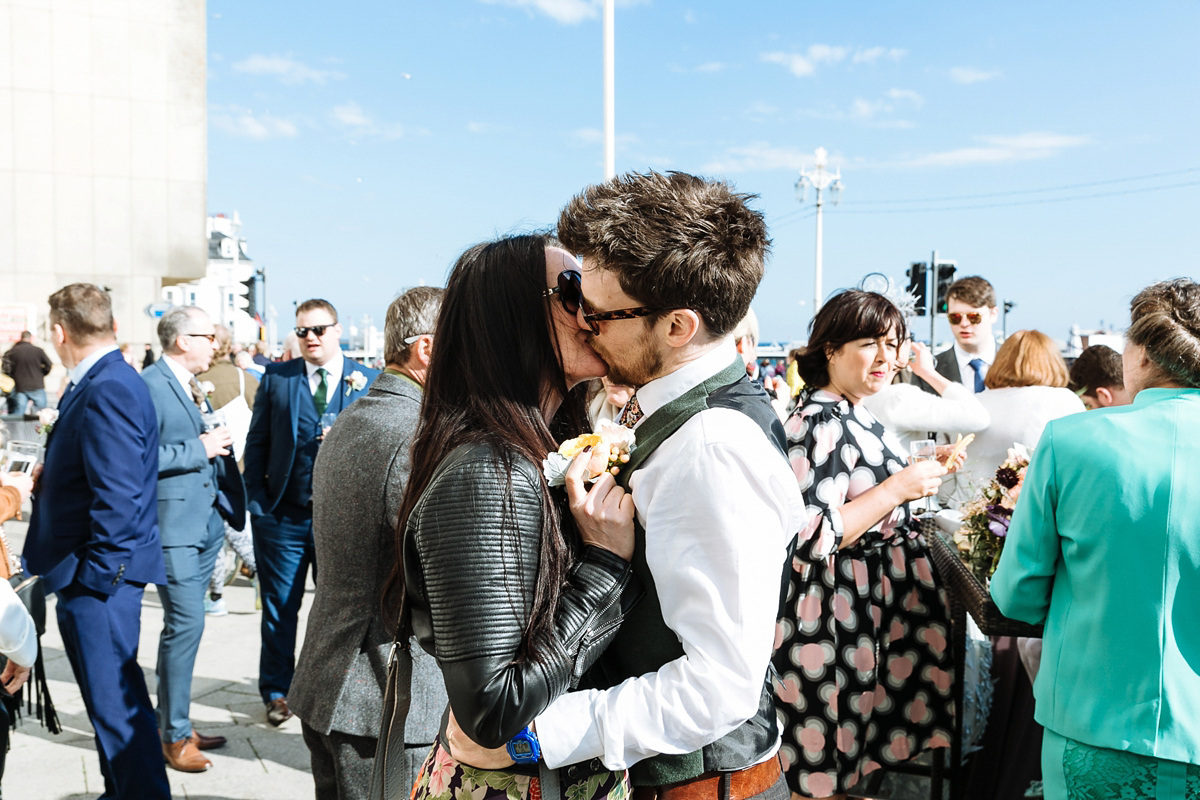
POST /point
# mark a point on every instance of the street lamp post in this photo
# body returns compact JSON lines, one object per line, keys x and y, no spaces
{"x":820,"y":179}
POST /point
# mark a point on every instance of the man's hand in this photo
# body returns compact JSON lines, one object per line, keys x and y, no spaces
{"x":464,"y":750}
{"x":14,"y":677}
{"x":20,"y":481}
{"x":217,"y":442}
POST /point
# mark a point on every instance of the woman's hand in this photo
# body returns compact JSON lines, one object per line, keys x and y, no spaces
{"x":604,"y":513}
{"x":922,"y":362}
{"x":922,"y":479}
{"x":464,"y":750}
{"x":20,"y":481}
{"x":943,"y":453}
{"x":14,"y":677}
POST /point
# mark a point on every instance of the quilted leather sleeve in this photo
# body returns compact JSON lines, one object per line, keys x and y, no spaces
{"x":476,"y":542}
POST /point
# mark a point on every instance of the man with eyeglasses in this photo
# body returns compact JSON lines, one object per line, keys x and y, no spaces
{"x":670,"y":265}
{"x":972,"y":313}
{"x":199,"y":486}
{"x":281,"y":447}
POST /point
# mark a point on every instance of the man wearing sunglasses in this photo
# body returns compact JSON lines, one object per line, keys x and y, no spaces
{"x":281,"y":446}
{"x":972,"y":313}
{"x":670,"y":265}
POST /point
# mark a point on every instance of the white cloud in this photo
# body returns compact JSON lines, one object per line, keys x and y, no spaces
{"x":357,"y":122}
{"x":966,"y":75}
{"x":1002,"y":149}
{"x":873,"y":54}
{"x":486,"y":128}
{"x":568,"y":12}
{"x":711,"y":66}
{"x":287,"y":69}
{"x":243,"y":122}
{"x":803,"y":65}
{"x":866,"y":109}
{"x":761,"y":156}
{"x":908,"y":95}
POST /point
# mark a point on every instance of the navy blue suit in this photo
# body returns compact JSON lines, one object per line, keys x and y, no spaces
{"x":193,"y":493}
{"x":93,"y":537}
{"x":281,"y":447}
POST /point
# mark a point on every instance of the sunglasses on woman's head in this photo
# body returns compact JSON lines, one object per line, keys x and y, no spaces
{"x":973,"y":317}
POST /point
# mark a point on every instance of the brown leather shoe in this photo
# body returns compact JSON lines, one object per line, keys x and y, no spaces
{"x":184,"y":756}
{"x":203,"y":742}
{"x":278,"y":711}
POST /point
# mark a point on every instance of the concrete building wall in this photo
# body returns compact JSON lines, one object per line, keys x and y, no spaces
{"x":103,"y":150}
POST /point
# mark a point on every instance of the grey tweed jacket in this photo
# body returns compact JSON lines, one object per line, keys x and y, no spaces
{"x":358,"y":479}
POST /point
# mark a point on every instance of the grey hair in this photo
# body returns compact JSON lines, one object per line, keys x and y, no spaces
{"x":177,"y":321}
{"x":1165,"y":321}
{"x":411,"y":314}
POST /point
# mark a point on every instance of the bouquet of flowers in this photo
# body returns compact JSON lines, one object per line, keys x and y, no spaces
{"x":980,"y":540}
{"x":610,"y":446}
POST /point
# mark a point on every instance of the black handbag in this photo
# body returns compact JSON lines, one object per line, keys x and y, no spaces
{"x":389,"y":777}
{"x":32,"y":593}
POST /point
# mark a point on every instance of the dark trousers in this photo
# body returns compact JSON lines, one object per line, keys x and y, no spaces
{"x":283,"y":550}
{"x":341,"y":763}
{"x":100,"y":635}
{"x":189,"y":568}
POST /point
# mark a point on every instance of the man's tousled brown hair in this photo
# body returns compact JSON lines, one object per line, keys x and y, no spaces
{"x":973,"y":290}
{"x":84,"y":310}
{"x":674,"y":241}
{"x":316,"y":304}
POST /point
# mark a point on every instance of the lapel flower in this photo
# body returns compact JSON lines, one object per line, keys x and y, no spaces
{"x":208,"y":387}
{"x":355,"y":382}
{"x":611,"y":445}
{"x":46,"y":419}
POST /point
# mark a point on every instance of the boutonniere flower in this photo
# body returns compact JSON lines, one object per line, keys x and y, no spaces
{"x":355,"y":382}
{"x":208,"y":387}
{"x":610,"y":446}
{"x":46,"y":419}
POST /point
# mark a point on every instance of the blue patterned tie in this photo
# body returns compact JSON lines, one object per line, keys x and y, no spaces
{"x":977,"y":365}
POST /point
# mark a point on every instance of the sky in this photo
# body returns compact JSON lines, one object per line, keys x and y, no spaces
{"x":1053,"y":148}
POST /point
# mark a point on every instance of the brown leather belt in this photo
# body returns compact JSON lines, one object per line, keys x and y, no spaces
{"x":742,"y":785}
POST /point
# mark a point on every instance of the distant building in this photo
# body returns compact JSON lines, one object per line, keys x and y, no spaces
{"x":103,"y":152}
{"x":228,"y":283}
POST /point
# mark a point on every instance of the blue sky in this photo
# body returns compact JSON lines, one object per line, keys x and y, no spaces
{"x":366,"y":144}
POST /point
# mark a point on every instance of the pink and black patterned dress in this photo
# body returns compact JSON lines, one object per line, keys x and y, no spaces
{"x":863,"y":650}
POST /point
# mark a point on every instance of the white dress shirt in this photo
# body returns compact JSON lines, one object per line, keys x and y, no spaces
{"x":987,"y":354}
{"x":720,"y":506}
{"x":333,"y":377}
{"x":182,"y":374}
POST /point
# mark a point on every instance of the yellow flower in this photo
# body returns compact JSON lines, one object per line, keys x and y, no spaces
{"x":572,"y":447}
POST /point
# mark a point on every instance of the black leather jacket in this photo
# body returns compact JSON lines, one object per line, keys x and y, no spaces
{"x":471,"y":552}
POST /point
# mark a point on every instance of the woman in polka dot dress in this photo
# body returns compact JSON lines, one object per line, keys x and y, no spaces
{"x":863,"y":652}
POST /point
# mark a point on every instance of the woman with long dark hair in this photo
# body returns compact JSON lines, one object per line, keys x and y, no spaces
{"x":509,"y":584}
{"x":864,"y":661}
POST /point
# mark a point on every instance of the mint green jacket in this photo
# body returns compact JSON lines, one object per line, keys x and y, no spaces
{"x":1104,"y":548}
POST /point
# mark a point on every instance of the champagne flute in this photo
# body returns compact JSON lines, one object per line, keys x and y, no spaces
{"x":327,"y":420}
{"x":922,"y":450}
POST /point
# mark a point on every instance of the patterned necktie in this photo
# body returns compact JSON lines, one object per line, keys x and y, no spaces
{"x":631,"y":413}
{"x":320,"y":398}
{"x":197,"y":393}
{"x":977,"y":365}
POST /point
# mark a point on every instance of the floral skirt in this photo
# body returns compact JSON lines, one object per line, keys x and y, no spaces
{"x":443,"y":778}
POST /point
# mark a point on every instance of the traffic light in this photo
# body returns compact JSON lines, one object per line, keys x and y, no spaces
{"x":944,"y":277}
{"x":917,"y":287}
{"x":251,"y":285}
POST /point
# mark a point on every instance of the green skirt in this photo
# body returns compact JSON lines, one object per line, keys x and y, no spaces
{"x":1073,"y":770}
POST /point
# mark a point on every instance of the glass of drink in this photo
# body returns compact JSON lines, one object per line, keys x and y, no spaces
{"x":327,"y":420}
{"x":213,"y":419}
{"x":922,"y":450}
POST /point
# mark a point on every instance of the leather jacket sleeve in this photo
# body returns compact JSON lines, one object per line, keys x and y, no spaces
{"x":471,"y":562}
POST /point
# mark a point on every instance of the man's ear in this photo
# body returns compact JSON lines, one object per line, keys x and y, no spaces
{"x":424,"y":351}
{"x":58,"y":334}
{"x":1104,"y":397}
{"x":995,"y":311}
{"x":683,"y":326}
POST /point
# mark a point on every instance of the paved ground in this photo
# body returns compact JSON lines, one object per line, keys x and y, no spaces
{"x":259,"y":763}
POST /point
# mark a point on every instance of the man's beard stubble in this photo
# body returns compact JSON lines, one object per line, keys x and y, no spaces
{"x":636,"y":367}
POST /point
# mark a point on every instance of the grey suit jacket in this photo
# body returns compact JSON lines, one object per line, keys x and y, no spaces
{"x":358,"y":480}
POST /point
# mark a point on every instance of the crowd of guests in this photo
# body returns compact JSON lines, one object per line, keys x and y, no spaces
{"x":743,"y":605}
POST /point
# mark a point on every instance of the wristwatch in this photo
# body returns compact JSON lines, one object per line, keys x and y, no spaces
{"x":524,"y":748}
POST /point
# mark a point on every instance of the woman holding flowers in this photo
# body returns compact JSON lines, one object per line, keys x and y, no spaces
{"x":505,"y":580}
{"x":1104,"y":549}
{"x":864,"y":661}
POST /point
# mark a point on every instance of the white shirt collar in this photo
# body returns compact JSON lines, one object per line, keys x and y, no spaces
{"x":80,"y":370}
{"x":181,"y":373}
{"x":333,"y":371}
{"x":660,"y":391}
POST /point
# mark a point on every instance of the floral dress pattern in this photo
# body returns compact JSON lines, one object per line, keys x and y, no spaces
{"x":862,"y":651}
{"x":443,"y":778}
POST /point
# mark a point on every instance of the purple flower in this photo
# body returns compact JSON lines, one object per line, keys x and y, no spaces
{"x":998,"y":527}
